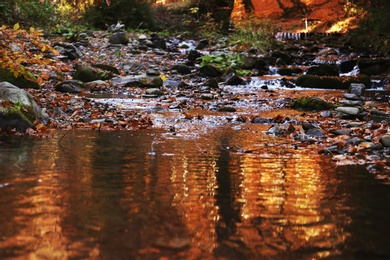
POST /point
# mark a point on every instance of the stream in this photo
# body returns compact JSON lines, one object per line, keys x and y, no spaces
{"x":215,"y":193}
{"x":199,"y":182}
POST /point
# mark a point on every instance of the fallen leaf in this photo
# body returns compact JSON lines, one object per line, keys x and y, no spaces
{"x":16,"y":26}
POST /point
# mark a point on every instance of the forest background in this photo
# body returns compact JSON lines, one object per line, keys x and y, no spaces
{"x":208,"y":18}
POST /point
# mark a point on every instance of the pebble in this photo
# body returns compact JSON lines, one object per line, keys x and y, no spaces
{"x":385,"y":140}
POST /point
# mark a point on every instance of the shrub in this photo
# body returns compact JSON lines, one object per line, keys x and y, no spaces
{"x":255,"y":33}
{"x":7,"y":12}
{"x":135,"y":14}
{"x":373,"y":32}
{"x":224,"y":61}
{"x":28,"y":12}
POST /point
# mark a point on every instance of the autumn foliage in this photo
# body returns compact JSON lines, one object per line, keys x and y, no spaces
{"x":25,"y":53}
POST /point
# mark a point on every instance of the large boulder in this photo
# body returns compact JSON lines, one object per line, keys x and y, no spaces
{"x":323,"y":70}
{"x":312,"y":81}
{"x":373,"y":67}
{"x":18,"y":109}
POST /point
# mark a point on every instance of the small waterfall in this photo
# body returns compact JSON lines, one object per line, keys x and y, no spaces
{"x":298,"y":36}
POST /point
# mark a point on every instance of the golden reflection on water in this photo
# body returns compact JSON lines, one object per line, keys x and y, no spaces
{"x":279,"y":196}
{"x":284,"y":195}
{"x":90,"y":200}
{"x":194,"y":187}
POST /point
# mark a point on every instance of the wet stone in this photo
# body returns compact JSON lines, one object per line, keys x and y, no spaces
{"x":171,"y":84}
{"x":261,"y":120}
{"x":376,"y":112}
{"x":357,"y":89}
{"x":234,"y":80}
{"x":348,"y":110}
{"x":207,"y":96}
{"x":351,"y":103}
{"x":119,"y":38}
{"x":227,"y":109}
{"x":354,"y":141}
{"x":152,"y":72}
{"x":212,"y":83}
{"x":182,"y":69}
{"x":301,"y":137}
{"x":307,"y":126}
{"x":314,"y":132}
{"x":385,"y":140}
{"x":326,"y":113}
{"x":342,"y":132}
{"x":352,"y":96}
{"x":154,"y":91}
{"x":142,"y":37}
{"x":354,"y":124}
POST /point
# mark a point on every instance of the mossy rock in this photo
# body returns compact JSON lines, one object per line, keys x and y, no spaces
{"x":108,"y":68}
{"x":157,"y":81}
{"x":311,"y":81}
{"x":210,"y":71}
{"x":13,"y":117}
{"x":21,"y":82}
{"x":311,"y":103}
{"x":282,"y":55}
{"x":88,"y":74}
{"x":361,"y":78}
{"x":18,"y":108}
{"x":289,"y":71}
{"x":323,"y":70}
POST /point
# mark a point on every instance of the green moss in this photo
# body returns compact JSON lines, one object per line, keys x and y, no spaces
{"x":359,"y":79}
{"x":310,"y":104}
{"x":312,"y":81}
{"x":88,"y":74}
{"x":26,"y":112}
{"x":16,"y":117}
{"x":289,"y":71}
{"x":21,"y":82}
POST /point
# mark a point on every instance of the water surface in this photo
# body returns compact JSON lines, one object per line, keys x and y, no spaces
{"x":224,"y":194}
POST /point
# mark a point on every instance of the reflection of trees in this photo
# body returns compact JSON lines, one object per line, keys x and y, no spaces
{"x":267,"y":203}
{"x":29,"y":207}
{"x":226,"y":199}
{"x":121,"y":212}
{"x":283,"y":209}
{"x":102,"y":195}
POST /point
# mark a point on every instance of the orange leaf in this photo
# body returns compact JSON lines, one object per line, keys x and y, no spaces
{"x":36,"y":34}
{"x":41,"y":127}
{"x":55,"y":52}
{"x":45,"y":75}
{"x":39,"y":80}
